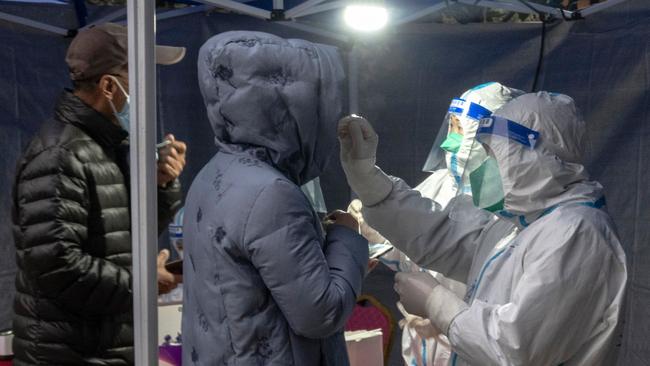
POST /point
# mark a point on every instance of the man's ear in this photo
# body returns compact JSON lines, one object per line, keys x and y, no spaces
{"x":107,"y":86}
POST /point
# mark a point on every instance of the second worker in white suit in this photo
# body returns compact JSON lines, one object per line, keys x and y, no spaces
{"x":449,"y":165}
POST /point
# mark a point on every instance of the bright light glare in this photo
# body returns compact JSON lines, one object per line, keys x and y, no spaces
{"x":366,"y":18}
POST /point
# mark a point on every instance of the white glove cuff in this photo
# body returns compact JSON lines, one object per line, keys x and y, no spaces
{"x":369,"y":182}
{"x":442,"y":307}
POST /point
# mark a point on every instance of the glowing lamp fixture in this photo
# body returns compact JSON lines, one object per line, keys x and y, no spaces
{"x":366,"y":16}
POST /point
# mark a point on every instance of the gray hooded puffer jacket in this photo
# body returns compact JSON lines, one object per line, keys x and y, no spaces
{"x":264,"y":285}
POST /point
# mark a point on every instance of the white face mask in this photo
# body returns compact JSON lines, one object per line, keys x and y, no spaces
{"x":123,"y":115}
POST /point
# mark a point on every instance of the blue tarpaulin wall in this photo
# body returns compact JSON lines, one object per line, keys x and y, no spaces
{"x":407,"y":78}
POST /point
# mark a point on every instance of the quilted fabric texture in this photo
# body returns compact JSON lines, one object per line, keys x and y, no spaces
{"x":264,"y":285}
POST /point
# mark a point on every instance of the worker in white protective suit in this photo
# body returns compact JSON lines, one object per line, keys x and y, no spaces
{"x":448,"y":159}
{"x":550,"y":296}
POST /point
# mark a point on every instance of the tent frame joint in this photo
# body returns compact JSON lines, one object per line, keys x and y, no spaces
{"x":278,"y":15}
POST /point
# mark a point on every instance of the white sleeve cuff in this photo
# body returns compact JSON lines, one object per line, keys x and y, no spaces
{"x":369,"y":182}
{"x":443,"y":306}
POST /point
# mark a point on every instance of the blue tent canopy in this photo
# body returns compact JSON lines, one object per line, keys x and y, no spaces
{"x":406,"y":76}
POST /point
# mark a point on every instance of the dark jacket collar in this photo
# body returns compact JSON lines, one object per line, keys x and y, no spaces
{"x":73,"y":110}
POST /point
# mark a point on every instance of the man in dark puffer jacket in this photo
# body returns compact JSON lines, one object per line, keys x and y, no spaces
{"x":71,"y":215}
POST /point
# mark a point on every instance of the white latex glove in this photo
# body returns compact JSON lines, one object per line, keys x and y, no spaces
{"x":422,"y":326}
{"x":358,"y":139}
{"x":422,"y":295}
{"x":414,"y":289}
{"x":358,"y":155}
{"x":372,"y":235}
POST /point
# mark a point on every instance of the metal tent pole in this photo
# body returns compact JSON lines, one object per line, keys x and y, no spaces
{"x":33,"y":24}
{"x":108,"y":18}
{"x":182,"y":12}
{"x":240,"y":8}
{"x":142,"y":81}
{"x":520,"y":8}
{"x":302,"y":7}
{"x":321,"y":8}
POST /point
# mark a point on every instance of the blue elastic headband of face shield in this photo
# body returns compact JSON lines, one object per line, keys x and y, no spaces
{"x":495,"y":125}
{"x":464,"y":108}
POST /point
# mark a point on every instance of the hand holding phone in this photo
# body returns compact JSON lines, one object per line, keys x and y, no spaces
{"x":175,"y":267}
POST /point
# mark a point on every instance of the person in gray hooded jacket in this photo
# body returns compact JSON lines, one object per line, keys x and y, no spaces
{"x":265,"y":284}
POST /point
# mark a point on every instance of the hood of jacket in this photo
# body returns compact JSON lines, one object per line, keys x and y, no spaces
{"x":280,"y":97}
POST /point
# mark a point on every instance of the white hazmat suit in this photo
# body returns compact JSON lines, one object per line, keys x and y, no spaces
{"x":548,"y":295}
{"x":442,"y":186}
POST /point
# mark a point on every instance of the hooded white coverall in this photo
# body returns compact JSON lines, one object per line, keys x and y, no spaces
{"x":550,"y":296}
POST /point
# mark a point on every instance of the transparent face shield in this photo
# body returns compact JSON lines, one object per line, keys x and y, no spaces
{"x":314,"y":193}
{"x":436,"y":158}
{"x":453,"y":147}
{"x":495,"y":137}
